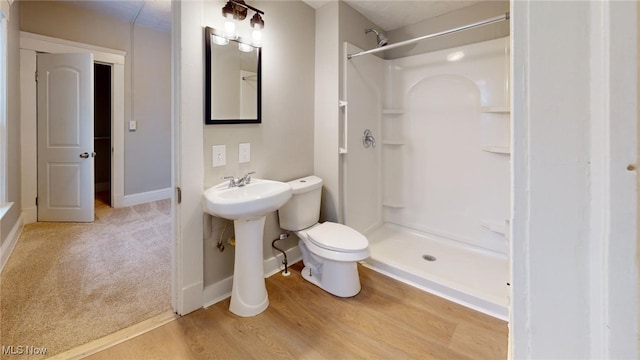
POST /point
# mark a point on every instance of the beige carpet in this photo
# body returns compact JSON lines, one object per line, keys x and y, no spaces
{"x":68,"y":283}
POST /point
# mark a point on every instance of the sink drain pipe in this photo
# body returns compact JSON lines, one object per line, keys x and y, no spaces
{"x":284,"y":253}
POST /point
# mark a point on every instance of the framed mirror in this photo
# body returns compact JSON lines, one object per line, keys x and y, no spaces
{"x":233,"y":80}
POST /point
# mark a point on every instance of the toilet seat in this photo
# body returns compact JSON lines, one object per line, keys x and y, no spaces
{"x":337,"y":237}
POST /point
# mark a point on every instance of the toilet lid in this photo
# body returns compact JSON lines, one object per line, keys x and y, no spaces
{"x":337,"y":237}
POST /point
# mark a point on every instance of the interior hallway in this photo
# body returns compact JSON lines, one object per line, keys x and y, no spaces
{"x":69,"y":283}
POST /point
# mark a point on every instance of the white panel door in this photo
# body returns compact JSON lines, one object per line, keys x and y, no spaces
{"x":65,"y":138}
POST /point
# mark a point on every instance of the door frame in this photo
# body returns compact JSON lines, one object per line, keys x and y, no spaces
{"x":591,"y":157}
{"x":30,"y":44}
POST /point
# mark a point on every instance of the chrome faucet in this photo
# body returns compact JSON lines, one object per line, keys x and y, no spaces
{"x":234,"y":181}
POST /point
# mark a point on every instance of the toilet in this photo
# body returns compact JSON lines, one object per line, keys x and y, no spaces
{"x":330,"y":251}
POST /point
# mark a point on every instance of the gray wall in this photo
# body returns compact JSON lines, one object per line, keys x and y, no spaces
{"x":326,"y":124}
{"x":282,"y":145}
{"x":481,"y":11}
{"x":337,"y":22}
{"x":148,"y":149}
{"x":13,"y":122}
{"x":147,"y":87}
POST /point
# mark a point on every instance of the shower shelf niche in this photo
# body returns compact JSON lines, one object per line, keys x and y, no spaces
{"x":497,"y":149}
{"x":393,"y":111}
{"x":393,"y":142}
{"x":393,"y":204}
{"x":495,"y":109}
{"x":495,"y":226}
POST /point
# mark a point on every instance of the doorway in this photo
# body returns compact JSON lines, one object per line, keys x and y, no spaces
{"x":31,"y":44}
{"x":102,"y":132}
{"x":112,"y":106}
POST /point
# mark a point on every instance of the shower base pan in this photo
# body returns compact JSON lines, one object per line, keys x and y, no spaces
{"x":458,"y":272}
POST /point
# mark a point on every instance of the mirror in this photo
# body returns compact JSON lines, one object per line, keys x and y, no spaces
{"x":233,"y":81}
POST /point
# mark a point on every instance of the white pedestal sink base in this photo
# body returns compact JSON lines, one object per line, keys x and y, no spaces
{"x":249,"y":293}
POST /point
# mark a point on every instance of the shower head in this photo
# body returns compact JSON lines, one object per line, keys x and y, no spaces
{"x":381,"y":37}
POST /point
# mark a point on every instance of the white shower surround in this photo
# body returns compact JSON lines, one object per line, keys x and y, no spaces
{"x":440,"y":173}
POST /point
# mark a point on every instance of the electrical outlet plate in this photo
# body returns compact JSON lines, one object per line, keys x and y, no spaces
{"x":244,"y":153}
{"x":218,"y":155}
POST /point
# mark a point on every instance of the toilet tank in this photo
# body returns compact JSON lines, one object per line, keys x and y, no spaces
{"x":303,"y":209}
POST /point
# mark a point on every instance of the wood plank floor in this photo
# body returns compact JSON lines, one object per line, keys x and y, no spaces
{"x":386,"y":320}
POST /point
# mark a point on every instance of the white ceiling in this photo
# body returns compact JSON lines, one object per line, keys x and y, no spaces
{"x":387,"y":14}
{"x":155,"y":14}
{"x":390,"y":15}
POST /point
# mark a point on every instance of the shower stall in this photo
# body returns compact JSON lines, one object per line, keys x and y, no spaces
{"x":426,"y":168}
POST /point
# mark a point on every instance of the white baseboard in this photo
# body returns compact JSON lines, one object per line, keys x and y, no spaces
{"x":30,"y":215}
{"x":217,"y":292}
{"x":142,"y":198}
{"x":191,"y":298}
{"x":221,"y":290}
{"x":10,"y":242}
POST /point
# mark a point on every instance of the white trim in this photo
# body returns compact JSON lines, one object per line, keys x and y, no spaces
{"x":4,"y":128}
{"x":582,"y":225}
{"x":117,"y":131}
{"x":619,"y":301}
{"x":4,"y":209}
{"x":3,"y":106}
{"x":217,"y":292}
{"x":600,"y":201}
{"x":145,"y":197}
{"x":519,"y":239}
{"x":187,"y":155}
{"x":54,"y":45}
{"x":192,"y":296}
{"x":30,"y":215}
{"x":221,"y":290}
{"x":32,"y":43}
{"x":28,"y":136}
{"x":177,"y":258}
{"x":10,"y":242}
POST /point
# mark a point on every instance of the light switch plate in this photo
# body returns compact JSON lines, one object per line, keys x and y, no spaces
{"x":218,"y":155}
{"x":244,"y":153}
{"x":133,"y":125}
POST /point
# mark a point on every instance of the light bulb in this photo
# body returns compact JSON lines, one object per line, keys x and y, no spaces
{"x":219,"y":40}
{"x":230,"y":29}
{"x":245,"y":47}
{"x":256,"y":38}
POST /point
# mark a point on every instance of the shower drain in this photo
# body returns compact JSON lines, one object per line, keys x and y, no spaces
{"x":429,"y":257}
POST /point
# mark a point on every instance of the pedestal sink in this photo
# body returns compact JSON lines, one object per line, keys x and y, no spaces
{"x":247,"y":206}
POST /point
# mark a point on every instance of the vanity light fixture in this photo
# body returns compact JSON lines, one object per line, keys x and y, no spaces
{"x":236,"y":10}
{"x":257,"y":24}
{"x":245,"y":47}
{"x":219,"y":40}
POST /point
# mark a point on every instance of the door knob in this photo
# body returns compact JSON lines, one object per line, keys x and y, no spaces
{"x":84,"y":155}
